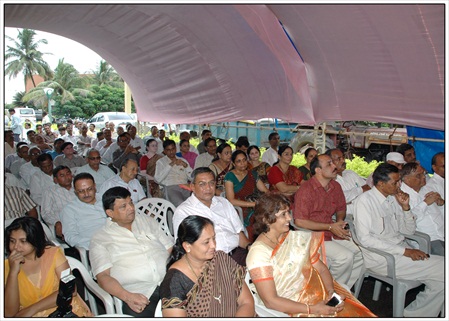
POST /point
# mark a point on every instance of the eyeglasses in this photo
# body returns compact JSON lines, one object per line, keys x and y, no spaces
{"x":95,"y":158}
{"x":204,"y":184}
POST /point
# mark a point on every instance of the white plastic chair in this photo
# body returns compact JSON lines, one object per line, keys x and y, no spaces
{"x":261,"y":309}
{"x":159,"y":209}
{"x":92,"y":287}
{"x":119,"y":307}
{"x":400,"y":286}
{"x":240,"y":213}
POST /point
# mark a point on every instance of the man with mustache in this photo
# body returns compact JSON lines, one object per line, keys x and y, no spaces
{"x":316,"y":201}
{"x":82,"y":217}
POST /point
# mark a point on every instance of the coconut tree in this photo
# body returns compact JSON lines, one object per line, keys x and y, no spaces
{"x":24,"y":57}
{"x":106,"y":75}
{"x":65,"y":83}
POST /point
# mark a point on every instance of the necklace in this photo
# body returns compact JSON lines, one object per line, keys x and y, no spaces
{"x":275,"y":243}
{"x":190,"y":266}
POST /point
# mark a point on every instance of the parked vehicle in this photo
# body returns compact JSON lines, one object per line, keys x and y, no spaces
{"x":38,"y":113}
{"x":118,"y":118}
{"x":26,"y":114}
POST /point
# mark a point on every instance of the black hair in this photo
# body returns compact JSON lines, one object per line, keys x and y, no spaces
{"x":308,"y":150}
{"x":220,"y":149}
{"x":20,"y":144}
{"x":34,"y":232}
{"x":11,"y":110}
{"x":207,"y":141}
{"x":149,"y":141}
{"x":182,"y":141}
{"x":201,"y":170}
{"x":242,"y":141}
{"x":250,"y":148}
{"x":168,"y":142}
{"x":237,"y":153}
{"x":205,"y":131}
{"x":315,"y":163}
{"x":112,"y":194}
{"x":59,"y":168}
{"x":83,"y":176}
{"x":283,"y":148}
{"x":272,"y":135}
{"x":43,"y":157}
{"x":407,"y":169}
{"x":189,"y":231}
{"x":59,"y":140}
{"x":403,"y":148}
{"x":329,"y":152}
{"x":266,"y":209}
{"x":434,"y":158}
{"x":382,"y":171}
{"x":63,"y":146}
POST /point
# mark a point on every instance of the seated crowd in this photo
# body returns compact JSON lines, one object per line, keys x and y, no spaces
{"x":85,"y":185}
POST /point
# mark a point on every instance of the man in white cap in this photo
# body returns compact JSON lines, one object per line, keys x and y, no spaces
{"x":393,"y":158}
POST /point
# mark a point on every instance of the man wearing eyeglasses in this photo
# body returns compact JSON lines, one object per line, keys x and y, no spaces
{"x":203,"y":202}
{"x":100,"y":172}
{"x":82,"y":217}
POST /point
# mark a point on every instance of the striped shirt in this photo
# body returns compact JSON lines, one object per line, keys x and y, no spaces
{"x":17,"y":202}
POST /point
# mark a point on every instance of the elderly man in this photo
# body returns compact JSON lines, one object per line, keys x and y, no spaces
{"x":228,"y":226}
{"x":429,"y":218}
{"x":436,"y":182}
{"x":205,"y":134}
{"x":136,"y":141}
{"x":107,"y":146}
{"x":393,"y":158}
{"x":125,"y":151}
{"x":205,"y":159}
{"x":351,"y":183}
{"x":42,"y":179}
{"x":16,"y":124}
{"x":129,"y":254}
{"x":83,"y":216}
{"x":70,"y":136}
{"x":100,"y":172}
{"x":382,"y":215}
{"x":57,"y":197}
{"x":318,"y":199}
{"x":49,"y":136}
{"x":17,"y":156}
{"x":27,"y":170}
{"x":22,"y":152}
{"x":271,"y":154}
{"x":127,"y":179}
{"x":171,"y":171}
{"x":69,"y":158}
{"x":10,"y":144}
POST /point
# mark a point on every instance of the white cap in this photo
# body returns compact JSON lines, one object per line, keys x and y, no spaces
{"x":396,"y":157}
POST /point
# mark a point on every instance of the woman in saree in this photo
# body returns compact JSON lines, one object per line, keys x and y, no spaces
{"x":184,"y":147}
{"x":284,"y":177}
{"x":241,"y":187}
{"x":309,"y":154}
{"x":221,"y":164}
{"x":286,"y":268}
{"x":148,"y":164}
{"x":256,"y":165}
{"x":202,"y":282}
{"x":32,"y":272}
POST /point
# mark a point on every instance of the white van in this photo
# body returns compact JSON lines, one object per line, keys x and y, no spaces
{"x":26,"y":114}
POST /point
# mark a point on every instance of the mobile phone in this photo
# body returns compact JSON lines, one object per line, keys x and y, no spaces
{"x":346,"y":227}
{"x":334,"y":301}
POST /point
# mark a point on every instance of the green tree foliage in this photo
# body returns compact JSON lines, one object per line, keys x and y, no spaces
{"x":24,"y":57}
{"x":106,"y":75}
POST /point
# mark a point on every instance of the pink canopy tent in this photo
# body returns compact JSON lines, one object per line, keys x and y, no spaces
{"x":212,"y":63}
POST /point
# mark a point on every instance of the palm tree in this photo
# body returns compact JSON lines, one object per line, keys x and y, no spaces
{"x":106,"y":75}
{"x":17,"y":99}
{"x":25,"y":57}
{"x":65,"y":83}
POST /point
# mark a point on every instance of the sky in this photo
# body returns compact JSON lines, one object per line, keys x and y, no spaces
{"x":81,"y":57}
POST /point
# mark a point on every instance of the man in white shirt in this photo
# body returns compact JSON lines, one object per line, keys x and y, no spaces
{"x":27,"y":170}
{"x":351,"y":183}
{"x":84,"y":216}
{"x":393,"y":158}
{"x":429,"y":219}
{"x":271,"y":154}
{"x":84,"y":141}
{"x":100,"y":172}
{"x":70,"y":136}
{"x":57,"y":197}
{"x":382,"y":215}
{"x":136,"y":141}
{"x":205,"y":159}
{"x":16,"y":124}
{"x":436,"y":182}
{"x":203,"y":202}
{"x":42,"y":179}
{"x":171,"y":171}
{"x":127,"y":179}
{"x":129,"y":254}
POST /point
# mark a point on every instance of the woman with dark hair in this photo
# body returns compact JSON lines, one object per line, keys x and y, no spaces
{"x":287,"y":270}
{"x":148,"y":165}
{"x":243,"y":187}
{"x":32,"y":272}
{"x":184,"y":147}
{"x":256,"y":165}
{"x":202,"y":282}
{"x":284,"y":177}
{"x":221,"y":164}
{"x":309,"y":154}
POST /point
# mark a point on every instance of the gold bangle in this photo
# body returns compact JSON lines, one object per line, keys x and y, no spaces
{"x":330,"y":226}
{"x":308,"y":308}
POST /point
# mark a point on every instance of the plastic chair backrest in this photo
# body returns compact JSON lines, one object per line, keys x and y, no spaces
{"x":159,"y":209}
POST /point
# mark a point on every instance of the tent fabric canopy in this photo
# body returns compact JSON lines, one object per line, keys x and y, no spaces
{"x":212,"y":63}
